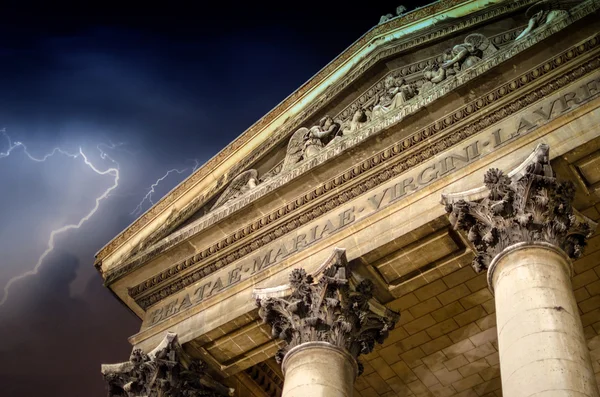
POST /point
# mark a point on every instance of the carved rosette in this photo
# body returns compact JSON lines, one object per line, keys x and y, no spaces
{"x":329,"y":310}
{"x":167,"y":371}
{"x":533,"y":207}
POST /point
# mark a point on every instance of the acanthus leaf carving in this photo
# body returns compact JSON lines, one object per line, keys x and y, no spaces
{"x":533,"y":207}
{"x":329,"y":310}
{"x":166,"y":371}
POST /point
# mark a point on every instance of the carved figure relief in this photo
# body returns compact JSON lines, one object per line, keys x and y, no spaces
{"x":167,"y":371}
{"x":433,"y":75}
{"x":541,"y":14}
{"x":328,"y":311}
{"x":464,"y":55}
{"x":358,"y":120}
{"x":456,"y":59}
{"x":396,"y":93}
{"x":242,"y":183}
{"x":535,"y":207}
{"x":307,"y":142}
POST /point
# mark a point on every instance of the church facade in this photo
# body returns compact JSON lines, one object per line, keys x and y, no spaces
{"x":418,"y":219}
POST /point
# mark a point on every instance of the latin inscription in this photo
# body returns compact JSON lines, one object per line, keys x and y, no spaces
{"x":414,"y":180}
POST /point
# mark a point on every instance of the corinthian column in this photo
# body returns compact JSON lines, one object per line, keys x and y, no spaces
{"x":326,"y":325}
{"x":525,"y":234}
{"x":165,"y":371}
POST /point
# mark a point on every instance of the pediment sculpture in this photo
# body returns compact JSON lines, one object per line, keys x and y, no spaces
{"x":308,"y":142}
{"x":242,"y":183}
{"x":397,"y":92}
{"x":541,"y":14}
{"x":359,"y":118}
{"x":475,"y":48}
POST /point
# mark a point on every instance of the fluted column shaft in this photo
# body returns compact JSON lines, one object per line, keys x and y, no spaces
{"x":541,"y":343}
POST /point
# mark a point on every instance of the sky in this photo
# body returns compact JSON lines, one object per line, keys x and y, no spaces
{"x":127,"y":93}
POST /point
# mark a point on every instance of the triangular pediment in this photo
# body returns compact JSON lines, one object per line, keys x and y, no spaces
{"x":373,"y":88}
{"x":400,"y":76}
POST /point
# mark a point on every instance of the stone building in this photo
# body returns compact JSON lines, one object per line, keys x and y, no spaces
{"x":418,"y":219}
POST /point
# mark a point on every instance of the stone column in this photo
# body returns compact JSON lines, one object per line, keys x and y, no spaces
{"x":325,"y":325}
{"x":318,"y":369}
{"x":525,"y":234}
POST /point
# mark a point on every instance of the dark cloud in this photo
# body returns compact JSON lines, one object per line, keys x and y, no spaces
{"x":174,"y":82}
{"x":53,"y":342}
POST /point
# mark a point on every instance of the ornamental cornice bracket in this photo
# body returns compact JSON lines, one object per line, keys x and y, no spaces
{"x":527,"y":205}
{"x":335,"y":308}
{"x":167,"y":370}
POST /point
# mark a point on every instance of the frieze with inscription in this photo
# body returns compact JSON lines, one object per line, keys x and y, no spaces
{"x":384,"y":157}
{"x":384,"y":196}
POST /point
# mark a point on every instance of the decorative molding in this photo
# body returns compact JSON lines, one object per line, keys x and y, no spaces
{"x":390,"y":158}
{"x":533,"y":207}
{"x":280,"y":134}
{"x":165,"y":371}
{"x":330,"y":310}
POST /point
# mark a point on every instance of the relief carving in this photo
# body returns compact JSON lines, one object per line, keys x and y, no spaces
{"x":534,"y":207}
{"x":475,"y":48}
{"x":329,"y":310}
{"x":242,"y":183}
{"x":359,"y":118}
{"x":542,"y":14}
{"x":397,"y":92}
{"x":166,"y":371}
{"x":308,"y":142}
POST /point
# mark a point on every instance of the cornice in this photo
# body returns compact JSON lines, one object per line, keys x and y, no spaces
{"x":385,"y":165}
{"x":371,"y":36}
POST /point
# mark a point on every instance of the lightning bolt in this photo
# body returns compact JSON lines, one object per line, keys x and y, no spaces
{"x":148,"y":196}
{"x":151,"y":191}
{"x":113,"y":171}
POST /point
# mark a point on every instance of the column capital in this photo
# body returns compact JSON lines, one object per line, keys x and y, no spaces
{"x":528,"y":207}
{"x":165,"y":371}
{"x":329,"y":310}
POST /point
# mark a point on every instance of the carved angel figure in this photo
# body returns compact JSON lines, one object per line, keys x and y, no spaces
{"x":359,"y":118}
{"x":307,"y":142}
{"x":541,"y":14}
{"x":464,"y":55}
{"x":242,"y":183}
{"x":396,"y":93}
{"x":433,"y":75}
